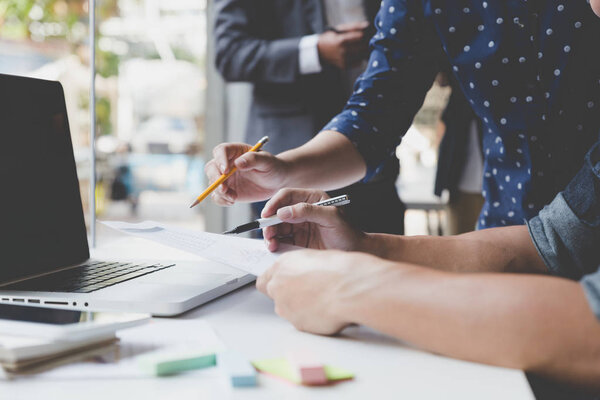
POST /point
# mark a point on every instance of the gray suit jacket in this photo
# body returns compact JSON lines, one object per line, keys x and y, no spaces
{"x":257,"y":41}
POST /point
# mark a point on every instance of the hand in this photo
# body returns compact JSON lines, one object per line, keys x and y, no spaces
{"x":311,"y":287}
{"x":259,"y":174}
{"x":305,"y":225}
{"x":346,"y":48}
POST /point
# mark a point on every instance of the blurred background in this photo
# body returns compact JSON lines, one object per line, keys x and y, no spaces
{"x":161,"y":107}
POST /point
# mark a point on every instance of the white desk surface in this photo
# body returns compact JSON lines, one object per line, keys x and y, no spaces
{"x":246,"y":322}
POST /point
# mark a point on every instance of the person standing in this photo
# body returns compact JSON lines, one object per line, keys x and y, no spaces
{"x":460,"y":163}
{"x":529,"y":70}
{"x":302,"y":58}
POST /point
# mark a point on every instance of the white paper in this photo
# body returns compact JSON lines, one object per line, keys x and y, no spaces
{"x":16,"y":348}
{"x":249,"y":255}
{"x":160,"y":335}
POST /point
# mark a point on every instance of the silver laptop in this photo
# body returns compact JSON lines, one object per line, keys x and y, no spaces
{"x":44,"y":255}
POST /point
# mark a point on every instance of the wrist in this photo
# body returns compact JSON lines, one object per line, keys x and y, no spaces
{"x":289,"y":168}
{"x":370,"y":243}
{"x":380,"y":293}
{"x":353,"y":300}
{"x":381,"y":245}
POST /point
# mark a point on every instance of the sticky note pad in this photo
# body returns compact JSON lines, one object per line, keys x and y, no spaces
{"x":307,"y":367}
{"x":282,"y":368}
{"x":238,"y":368}
{"x":171,"y":362}
{"x":337,"y":374}
{"x":313,"y":375}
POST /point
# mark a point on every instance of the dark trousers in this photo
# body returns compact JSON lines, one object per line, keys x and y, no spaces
{"x":546,"y":389}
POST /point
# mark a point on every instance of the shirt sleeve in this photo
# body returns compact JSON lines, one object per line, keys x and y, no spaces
{"x":308,"y":56}
{"x":566,"y":233}
{"x":242,"y":54}
{"x":405,"y":57}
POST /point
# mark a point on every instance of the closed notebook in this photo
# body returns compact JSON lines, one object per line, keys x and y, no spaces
{"x":15,"y":349}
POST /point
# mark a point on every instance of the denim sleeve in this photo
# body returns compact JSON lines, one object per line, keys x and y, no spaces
{"x":565,"y":243}
{"x":566,"y":233}
{"x":405,"y":57}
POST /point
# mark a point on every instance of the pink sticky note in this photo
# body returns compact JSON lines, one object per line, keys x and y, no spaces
{"x":312,"y":375}
{"x":308,"y":368}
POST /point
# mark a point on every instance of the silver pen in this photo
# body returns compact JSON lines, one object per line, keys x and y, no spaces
{"x":274,"y":220}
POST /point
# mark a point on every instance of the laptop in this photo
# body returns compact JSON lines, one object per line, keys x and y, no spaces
{"x":44,"y":254}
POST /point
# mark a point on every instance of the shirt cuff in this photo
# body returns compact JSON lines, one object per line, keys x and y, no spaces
{"x":561,"y":239}
{"x":309,"y":55}
{"x":591,"y":288}
{"x":372,"y":146}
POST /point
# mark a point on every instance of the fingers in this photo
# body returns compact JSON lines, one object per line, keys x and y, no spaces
{"x":274,"y":235}
{"x":286,"y":197}
{"x":225,"y":156}
{"x":278,"y":230}
{"x":263,"y":280}
{"x":225,"y":153}
{"x":223,"y":195}
{"x":211,"y":171}
{"x":353,"y":26}
{"x":304,"y":212}
{"x":222,"y":162}
{"x":357,"y":49}
{"x":351,"y":37}
{"x":260,"y":161}
{"x":274,"y":243}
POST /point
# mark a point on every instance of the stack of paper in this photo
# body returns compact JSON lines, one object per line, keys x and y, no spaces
{"x":142,"y":351}
{"x":28,"y":354}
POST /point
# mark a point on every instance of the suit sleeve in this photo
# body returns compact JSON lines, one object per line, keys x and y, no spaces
{"x":406,"y":54}
{"x":242,"y":55}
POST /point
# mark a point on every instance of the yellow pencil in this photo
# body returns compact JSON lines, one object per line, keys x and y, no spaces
{"x":224,"y":177}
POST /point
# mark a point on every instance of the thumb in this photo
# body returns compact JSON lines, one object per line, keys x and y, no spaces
{"x":304,"y":212}
{"x":261,"y":161}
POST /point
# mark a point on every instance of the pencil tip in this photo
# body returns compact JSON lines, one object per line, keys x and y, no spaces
{"x":194,"y":204}
{"x":231,"y":232}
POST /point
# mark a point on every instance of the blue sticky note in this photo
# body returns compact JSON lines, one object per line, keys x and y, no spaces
{"x":238,"y":368}
{"x":172,"y":362}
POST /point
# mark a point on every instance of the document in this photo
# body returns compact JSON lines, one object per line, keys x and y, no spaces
{"x":249,"y":255}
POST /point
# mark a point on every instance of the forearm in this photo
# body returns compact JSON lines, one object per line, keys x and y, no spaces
{"x":533,"y":323}
{"x":507,"y":249}
{"x":328,"y":161}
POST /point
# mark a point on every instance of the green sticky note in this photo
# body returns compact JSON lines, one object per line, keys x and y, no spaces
{"x":282,"y":368}
{"x":337,"y":374}
{"x":168,"y":363}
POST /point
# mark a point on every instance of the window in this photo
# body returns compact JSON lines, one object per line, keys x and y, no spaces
{"x":150,"y":91}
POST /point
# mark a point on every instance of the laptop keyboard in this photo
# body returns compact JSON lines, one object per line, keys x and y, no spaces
{"x":88,"y":277}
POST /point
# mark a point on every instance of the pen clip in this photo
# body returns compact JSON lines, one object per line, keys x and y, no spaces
{"x":339,"y":201}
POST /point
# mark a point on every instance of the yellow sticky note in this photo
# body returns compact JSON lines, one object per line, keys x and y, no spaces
{"x":282,"y":368}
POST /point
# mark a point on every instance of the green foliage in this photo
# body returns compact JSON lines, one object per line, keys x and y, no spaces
{"x":103,"y":109}
{"x":107,"y":63}
{"x":21,"y":19}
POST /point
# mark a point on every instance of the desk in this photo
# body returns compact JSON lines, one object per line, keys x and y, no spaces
{"x":245,"y":321}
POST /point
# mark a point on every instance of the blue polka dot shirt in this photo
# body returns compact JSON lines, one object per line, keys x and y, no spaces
{"x":530,"y":69}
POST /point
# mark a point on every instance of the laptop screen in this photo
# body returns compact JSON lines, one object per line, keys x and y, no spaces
{"x":41,"y":216}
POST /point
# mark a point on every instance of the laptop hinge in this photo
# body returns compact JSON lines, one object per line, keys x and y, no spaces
{"x":43,"y":274}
